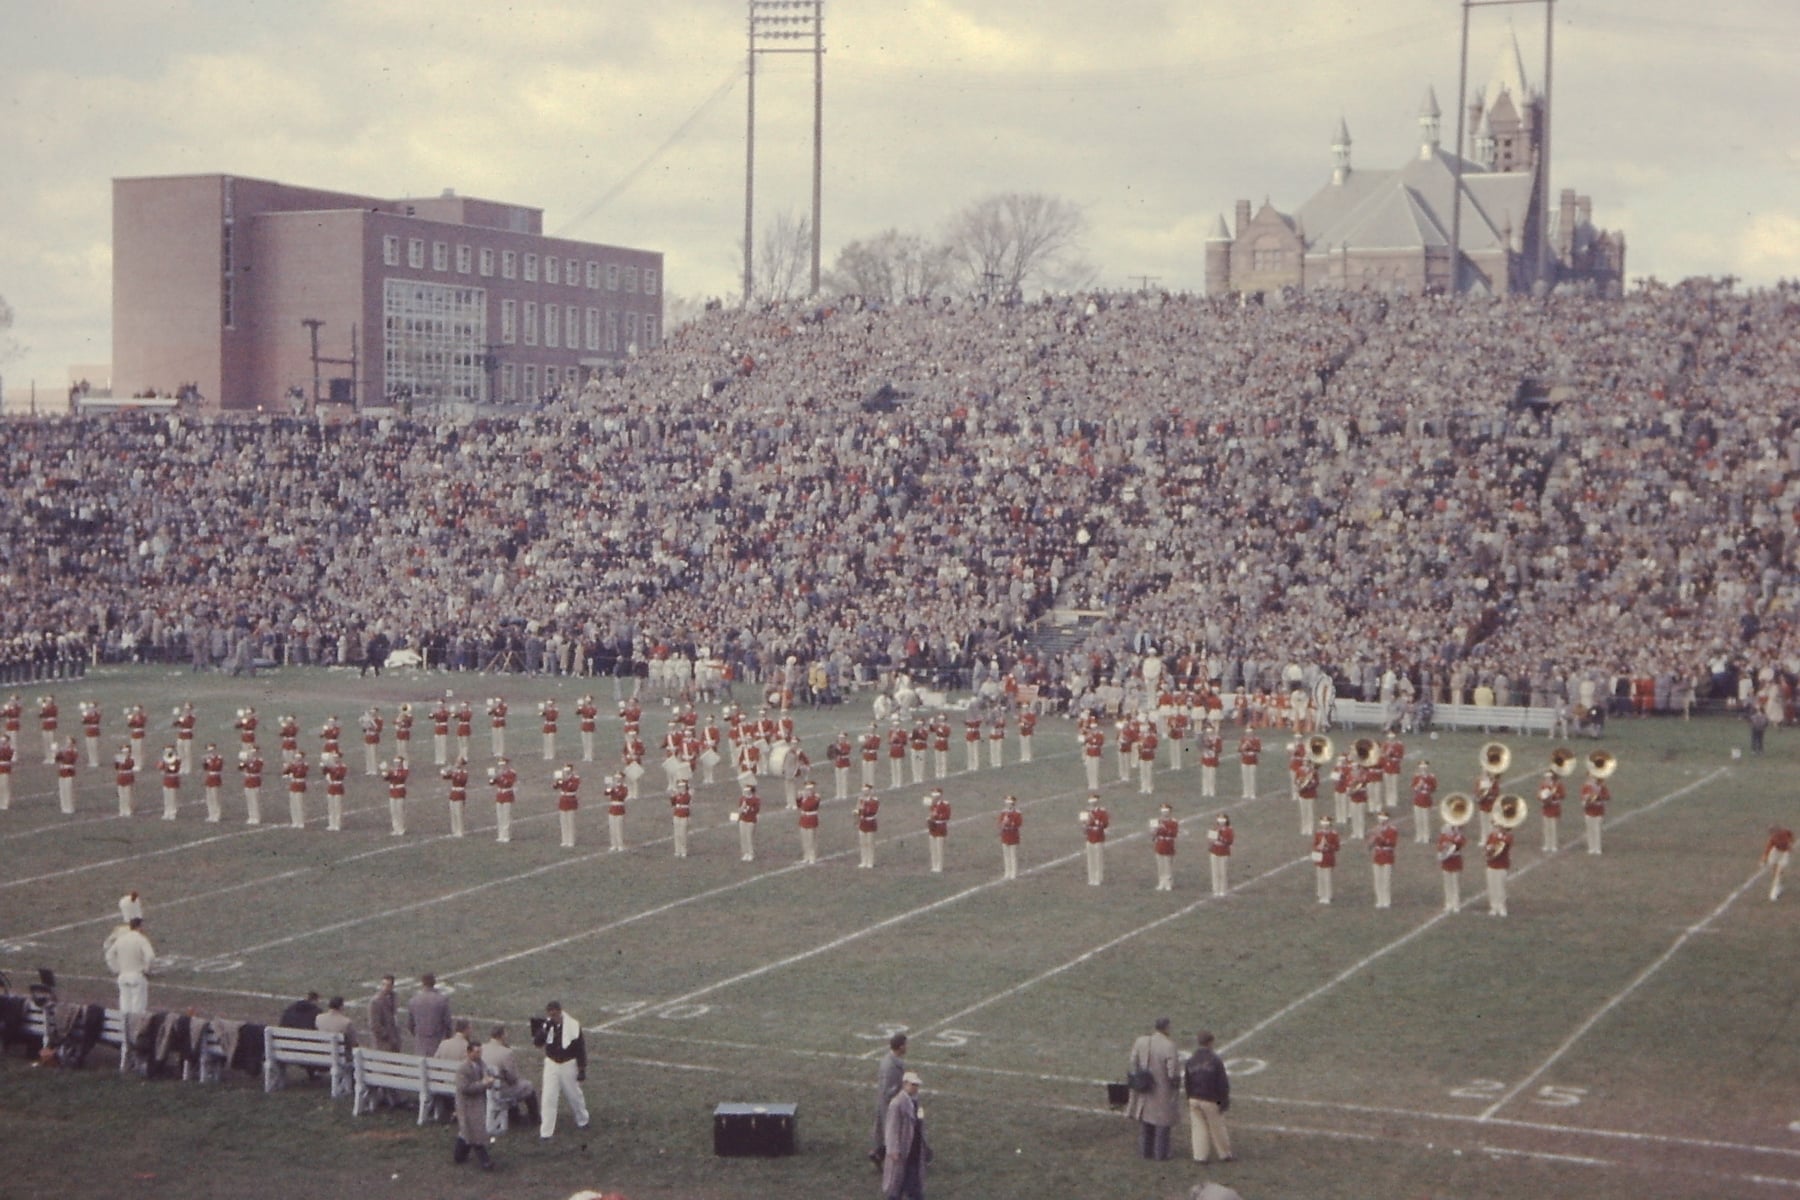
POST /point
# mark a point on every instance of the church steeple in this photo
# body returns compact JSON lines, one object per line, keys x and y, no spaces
{"x":1340,"y":153}
{"x":1429,"y":117}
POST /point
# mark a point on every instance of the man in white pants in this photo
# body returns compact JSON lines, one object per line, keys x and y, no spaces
{"x":130,"y":956}
{"x":565,"y":1067}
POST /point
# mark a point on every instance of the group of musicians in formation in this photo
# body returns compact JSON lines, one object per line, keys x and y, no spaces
{"x":1365,"y":778}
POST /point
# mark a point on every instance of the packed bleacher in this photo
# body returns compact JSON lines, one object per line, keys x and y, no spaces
{"x":1504,"y":493}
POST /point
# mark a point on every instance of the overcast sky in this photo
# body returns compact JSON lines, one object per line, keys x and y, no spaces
{"x":625,"y":121}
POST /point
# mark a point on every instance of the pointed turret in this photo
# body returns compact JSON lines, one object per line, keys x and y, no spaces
{"x":1340,"y":153}
{"x":1429,"y":118}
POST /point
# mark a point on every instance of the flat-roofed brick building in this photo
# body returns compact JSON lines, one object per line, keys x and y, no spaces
{"x":452,"y":299}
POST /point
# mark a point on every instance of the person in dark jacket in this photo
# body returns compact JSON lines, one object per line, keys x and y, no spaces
{"x":1208,"y":1095}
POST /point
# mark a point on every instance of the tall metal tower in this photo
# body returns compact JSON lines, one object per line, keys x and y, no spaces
{"x":774,"y":28}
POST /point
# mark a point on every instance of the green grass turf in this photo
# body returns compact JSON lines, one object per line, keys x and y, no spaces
{"x":1628,"y":1031}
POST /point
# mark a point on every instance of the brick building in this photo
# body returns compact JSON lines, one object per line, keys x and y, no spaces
{"x":1393,"y":230}
{"x":443,"y":299}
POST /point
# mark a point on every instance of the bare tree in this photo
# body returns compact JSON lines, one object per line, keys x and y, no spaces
{"x":891,"y":266}
{"x":9,"y":347}
{"x":783,"y":266}
{"x":1008,"y":242}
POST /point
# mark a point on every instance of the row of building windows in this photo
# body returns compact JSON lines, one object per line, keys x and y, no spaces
{"x":566,"y":326}
{"x":548,"y":268}
{"x":529,"y":381}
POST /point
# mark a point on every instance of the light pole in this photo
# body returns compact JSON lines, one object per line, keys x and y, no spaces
{"x":774,"y":26}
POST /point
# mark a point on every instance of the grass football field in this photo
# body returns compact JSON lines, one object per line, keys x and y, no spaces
{"x":1628,"y":1031}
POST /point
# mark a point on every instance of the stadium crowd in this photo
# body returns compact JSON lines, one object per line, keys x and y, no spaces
{"x":1515,"y":494}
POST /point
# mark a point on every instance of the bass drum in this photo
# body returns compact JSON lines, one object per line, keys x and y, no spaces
{"x":784,"y":761}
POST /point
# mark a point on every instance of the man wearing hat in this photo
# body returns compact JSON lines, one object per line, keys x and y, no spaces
{"x":1094,"y":820}
{"x":937,"y":827}
{"x":887,"y":1085}
{"x":903,"y":1132}
{"x":749,"y":805}
{"x":1325,"y":847}
{"x":1218,"y":850}
{"x":1011,"y":822}
{"x":1382,"y":844}
{"x":1163,"y":832}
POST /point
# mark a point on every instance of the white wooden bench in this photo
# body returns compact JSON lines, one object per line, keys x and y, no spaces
{"x":426,"y":1078}
{"x":303,"y":1048}
{"x":1489,"y":717}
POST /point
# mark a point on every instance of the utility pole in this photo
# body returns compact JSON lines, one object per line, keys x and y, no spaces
{"x":312,"y":327}
{"x":778,"y":21}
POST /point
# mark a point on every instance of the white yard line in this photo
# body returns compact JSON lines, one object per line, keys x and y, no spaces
{"x":1619,"y":997}
{"x":1364,"y":963}
{"x":1580,"y":1159}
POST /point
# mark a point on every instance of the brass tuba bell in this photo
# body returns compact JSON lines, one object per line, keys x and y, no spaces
{"x":1319,"y":749}
{"x":1495,"y":758}
{"x":1562,"y":761}
{"x":1367,"y":751}
{"x":1601,"y":765}
{"x":1510,"y":811}
{"x":1456,"y":809}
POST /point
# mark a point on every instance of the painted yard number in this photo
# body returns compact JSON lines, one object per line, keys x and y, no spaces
{"x":674,"y":1012}
{"x":943,"y":1039}
{"x":1550,"y":1095}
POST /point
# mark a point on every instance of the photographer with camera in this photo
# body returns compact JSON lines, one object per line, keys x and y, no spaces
{"x":558,"y":1035}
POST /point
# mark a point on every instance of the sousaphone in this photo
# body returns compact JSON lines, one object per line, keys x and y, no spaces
{"x":1495,"y":758}
{"x":1510,"y":811}
{"x":1456,"y":809}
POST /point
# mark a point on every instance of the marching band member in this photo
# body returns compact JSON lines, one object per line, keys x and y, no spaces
{"x":1497,"y":849}
{"x":568,"y":800}
{"x":1126,"y":747}
{"x":918,"y":742}
{"x":124,"y":777}
{"x":1424,"y":799}
{"x":288,"y":730}
{"x":1325,"y":847}
{"x":440,"y":733}
{"x":47,"y":717}
{"x":457,"y":776}
{"x":66,"y":760}
{"x":250,"y":769}
{"x":1249,"y":751}
{"x":940,"y":744}
{"x":749,"y":804}
{"x":937,"y":827}
{"x":1218,"y":848}
{"x":137,"y":725}
{"x":1094,"y":821}
{"x":371,"y":723}
{"x":1164,"y":830}
{"x":634,"y":758}
{"x":1775,"y":854}
{"x":1487,"y":792}
{"x":335,"y":770}
{"x":547,"y":710}
{"x":1450,"y":845}
{"x":808,"y":804}
{"x":496,"y":711}
{"x":587,"y":716}
{"x":681,"y":809}
{"x":972,"y":740}
{"x":1382,"y":844}
{"x":1296,"y":760}
{"x":395,"y":775}
{"x":505,"y":781}
{"x":403,"y":727}
{"x":841,"y":753}
{"x":1146,"y":755}
{"x":997,"y":741}
{"x":1360,"y":777}
{"x":871,"y":753}
{"x":90,"y":731}
{"x":867,"y":806}
{"x":331,"y":736}
{"x":1550,"y":796}
{"x":184,"y":736}
{"x":212,"y":772}
{"x":1028,"y":720}
{"x":6,"y":767}
{"x":12,"y":717}
{"x":1011,"y":822}
{"x":294,"y":770}
{"x":1393,"y":758}
{"x":1594,"y":795}
{"x":710,"y":741}
{"x":1306,"y":793}
{"x":1093,"y":745}
{"x":897,"y":741}
{"x":465,"y":727}
{"x":1212,"y":751}
{"x":618,"y":795}
{"x":1178,"y":728}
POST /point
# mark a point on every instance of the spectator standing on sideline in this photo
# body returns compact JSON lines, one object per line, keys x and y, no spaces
{"x":502,"y":1062}
{"x":908,"y":1153}
{"x":384,"y":1016}
{"x":1208,"y":1090}
{"x":429,"y":1013}
{"x":1155,"y":1109}
{"x":472,"y":1086}
{"x":887,"y":1086}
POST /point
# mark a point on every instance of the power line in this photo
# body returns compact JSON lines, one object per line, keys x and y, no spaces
{"x":719,"y":93}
